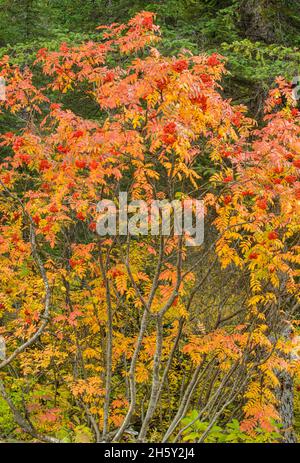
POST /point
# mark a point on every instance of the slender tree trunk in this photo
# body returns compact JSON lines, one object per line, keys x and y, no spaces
{"x":256,"y":20}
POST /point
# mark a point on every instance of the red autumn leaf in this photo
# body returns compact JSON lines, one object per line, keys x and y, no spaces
{"x":180,"y":65}
{"x":78,"y":134}
{"x":290,"y":178}
{"x":53,"y":208}
{"x":80,"y":216}
{"x":63,"y":149}
{"x":262,"y":204}
{"x":296,"y":163}
{"x":213,"y":60}
{"x":44,"y":165}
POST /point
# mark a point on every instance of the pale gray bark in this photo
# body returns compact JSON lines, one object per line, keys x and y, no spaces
{"x":256,"y":22}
